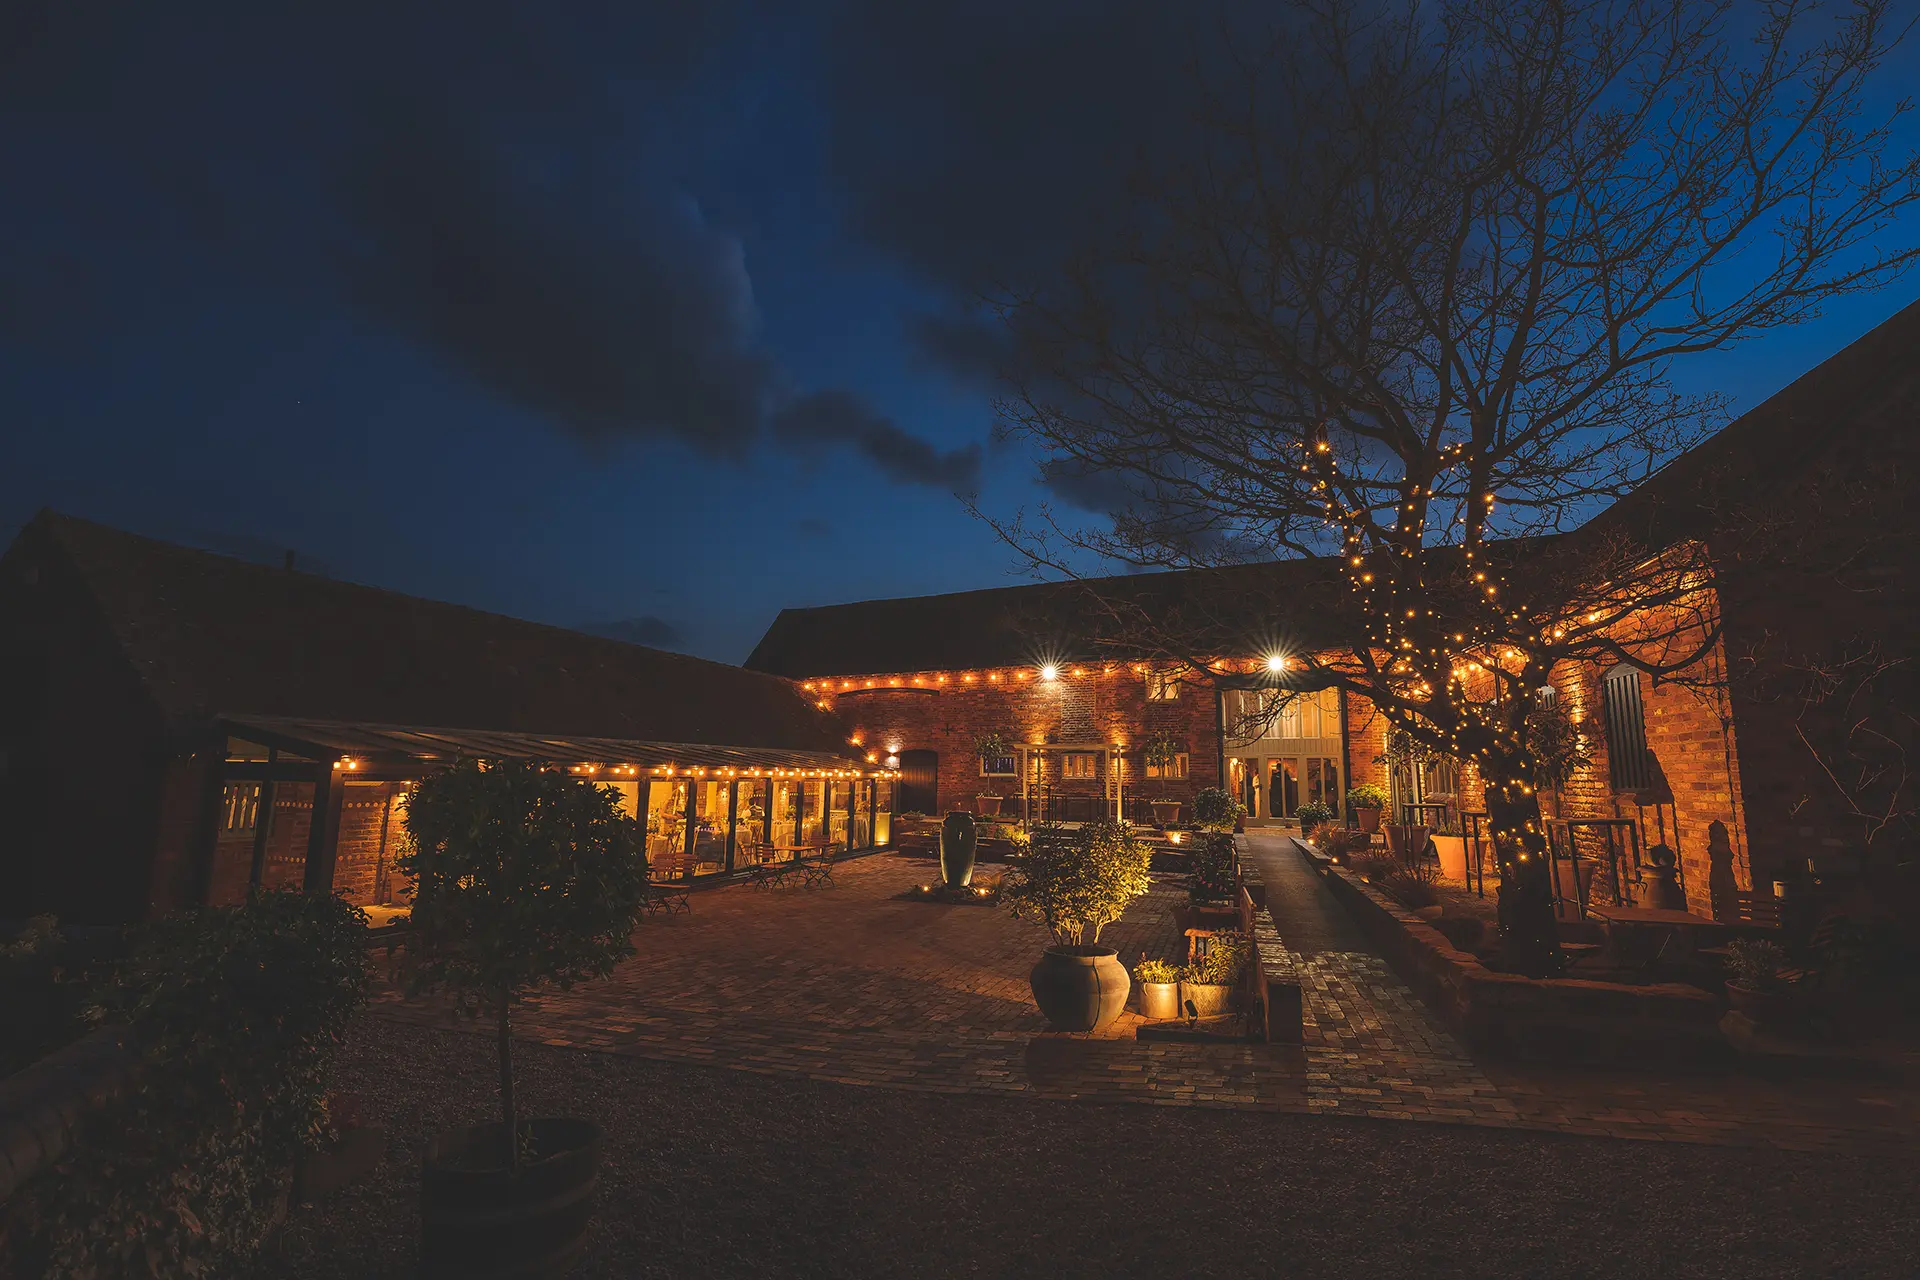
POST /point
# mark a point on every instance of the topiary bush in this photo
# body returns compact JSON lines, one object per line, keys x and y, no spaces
{"x":1215,"y":810}
{"x":234,"y":1013}
{"x":1367,"y":796}
{"x":1078,"y":882}
{"x":1313,"y":814}
{"x":524,"y":877}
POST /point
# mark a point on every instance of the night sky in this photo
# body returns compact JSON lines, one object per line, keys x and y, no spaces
{"x":651,"y":320}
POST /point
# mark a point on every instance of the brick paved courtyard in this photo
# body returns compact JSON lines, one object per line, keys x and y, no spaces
{"x":861,"y":984}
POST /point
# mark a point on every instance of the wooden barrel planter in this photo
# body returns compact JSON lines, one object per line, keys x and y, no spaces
{"x":480,"y":1222}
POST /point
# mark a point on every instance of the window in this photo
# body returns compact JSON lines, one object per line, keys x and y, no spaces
{"x":1163,"y":686}
{"x":1629,"y":762}
{"x":242,"y":806}
{"x":999,"y":767}
{"x":1175,"y":768}
{"x":1079,"y":764}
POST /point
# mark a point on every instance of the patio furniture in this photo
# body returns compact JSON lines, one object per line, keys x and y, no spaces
{"x":666,"y":897}
{"x":1640,"y":937}
{"x":769,"y":875}
{"x":818,"y":869}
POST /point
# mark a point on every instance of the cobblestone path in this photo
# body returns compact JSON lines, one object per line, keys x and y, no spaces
{"x":861,"y":984}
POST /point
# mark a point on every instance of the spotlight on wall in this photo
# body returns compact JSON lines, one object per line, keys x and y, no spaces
{"x":1049,"y":672}
{"x":893,"y":762}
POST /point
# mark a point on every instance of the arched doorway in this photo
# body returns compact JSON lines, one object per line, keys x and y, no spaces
{"x":920,"y":782}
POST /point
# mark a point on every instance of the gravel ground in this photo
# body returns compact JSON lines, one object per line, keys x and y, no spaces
{"x":722,"y":1173}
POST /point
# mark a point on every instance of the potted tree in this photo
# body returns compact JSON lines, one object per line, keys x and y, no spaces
{"x":1160,"y":755}
{"x":1159,"y":989}
{"x":524,"y":877}
{"x":1215,"y":810}
{"x":1365,"y":802}
{"x":990,"y":747}
{"x":1077,"y":883}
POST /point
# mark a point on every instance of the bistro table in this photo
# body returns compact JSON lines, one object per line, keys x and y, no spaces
{"x":813,"y":861}
{"x":1641,"y":935}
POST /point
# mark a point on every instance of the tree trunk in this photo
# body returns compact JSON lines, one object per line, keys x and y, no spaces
{"x":1529,"y":938}
{"x":507,"y":1114}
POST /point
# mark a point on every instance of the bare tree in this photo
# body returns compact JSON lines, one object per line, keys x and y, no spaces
{"x":1410,"y":305}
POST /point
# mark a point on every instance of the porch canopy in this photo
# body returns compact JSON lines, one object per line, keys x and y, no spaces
{"x":409,"y":750}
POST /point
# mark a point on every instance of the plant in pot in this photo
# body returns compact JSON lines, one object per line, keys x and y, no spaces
{"x":1160,"y":755}
{"x":1077,"y":883}
{"x":1413,"y":893}
{"x":1215,"y":810}
{"x":959,"y":846}
{"x":1211,"y":878}
{"x":524,"y":877}
{"x":1159,"y":989}
{"x":1755,"y":986}
{"x":990,"y":747}
{"x":1365,"y":802}
{"x":1313,"y":815}
{"x":1206,"y":991}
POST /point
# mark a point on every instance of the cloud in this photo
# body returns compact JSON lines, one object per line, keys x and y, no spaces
{"x":841,"y":417}
{"x":647,"y":629}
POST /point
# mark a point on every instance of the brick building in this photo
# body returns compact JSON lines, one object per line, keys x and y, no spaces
{"x":179,"y":725}
{"x":1806,"y":506}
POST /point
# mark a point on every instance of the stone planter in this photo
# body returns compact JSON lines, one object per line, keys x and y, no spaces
{"x":1165,"y":812}
{"x":1080,"y":988}
{"x":478,"y":1220}
{"x":988,"y":806}
{"x":1764,"y":1008}
{"x":1453,"y":856}
{"x":1160,"y":1001}
{"x":1209,"y":999}
{"x":1369,"y":819}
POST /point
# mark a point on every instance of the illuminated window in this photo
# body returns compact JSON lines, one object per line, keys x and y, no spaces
{"x":1163,"y":686}
{"x":242,"y":808}
{"x":1080,"y":764}
{"x":1629,"y":761}
{"x":999,"y":767}
{"x":1175,"y":768}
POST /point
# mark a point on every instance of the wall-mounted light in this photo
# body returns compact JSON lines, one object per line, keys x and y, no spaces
{"x":1276,"y":662}
{"x":893,"y":762}
{"x":1049,"y":672}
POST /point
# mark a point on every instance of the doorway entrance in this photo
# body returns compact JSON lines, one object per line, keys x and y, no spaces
{"x":920,"y":782}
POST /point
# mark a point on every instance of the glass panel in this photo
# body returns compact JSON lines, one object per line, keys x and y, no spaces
{"x":883,"y":812}
{"x":1331,"y":772}
{"x":629,"y":797}
{"x":863,"y":815}
{"x":666,"y":826}
{"x":710,"y":826}
{"x":813,"y":798}
{"x":786,"y":814}
{"x":1316,"y":789}
{"x":1283,"y":788}
{"x":841,"y":794}
{"x":750,"y":823}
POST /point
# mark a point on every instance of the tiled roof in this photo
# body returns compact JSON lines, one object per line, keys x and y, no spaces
{"x":212,"y":636}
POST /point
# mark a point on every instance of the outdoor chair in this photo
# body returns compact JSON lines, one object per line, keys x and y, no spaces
{"x":669,"y":897}
{"x":817,"y":868}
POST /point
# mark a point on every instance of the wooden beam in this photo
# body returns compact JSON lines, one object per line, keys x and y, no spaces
{"x":207,"y":831}
{"x":262,"y":828}
{"x":328,"y":791}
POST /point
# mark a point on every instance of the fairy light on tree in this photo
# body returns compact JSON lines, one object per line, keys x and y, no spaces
{"x":1410,"y":303}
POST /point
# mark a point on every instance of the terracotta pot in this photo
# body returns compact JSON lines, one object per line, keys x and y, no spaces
{"x":1166,"y":812}
{"x":1453,"y":856}
{"x":1160,"y":1001}
{"x":1208,"y":999}
{"x":1369,"y":820}
{"x":478,"y":1220}
{"x":1766,"y":1008}
{"x":989,"y":806}
{"x":1080,"y":988}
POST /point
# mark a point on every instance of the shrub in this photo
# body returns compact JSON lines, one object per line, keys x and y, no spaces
{"x":44,"y":982}
{"x":1464,"y":932}
{"x":1211,"y":877}
{"x":524,"y":877}
{"x":1374,"y":867}
{"x":234,"y":1013}
{"x":1226,"y":959}
{"x":1755,"y":963}
{"x":1078,"y":882}
{"x":1215,"y":810}
{"x":1313,"y":814}
{"x":1367,"y":796}
{"x":1156,"y":971}
{"x":1411,"y":890}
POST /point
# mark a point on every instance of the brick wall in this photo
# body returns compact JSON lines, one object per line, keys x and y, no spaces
{"x":1090,"y":705}
{"x":370,"y":838}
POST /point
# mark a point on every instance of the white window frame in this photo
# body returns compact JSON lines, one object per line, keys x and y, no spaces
{"x":1173,"y":772}
{"x":1011,"y":760}
{"x":1093,"y":766}
{"x":1163,"y":686}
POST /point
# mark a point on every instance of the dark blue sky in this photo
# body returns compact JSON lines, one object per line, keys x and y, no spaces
{"x":597,"y":314}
